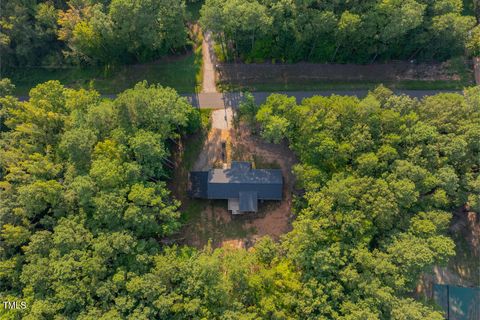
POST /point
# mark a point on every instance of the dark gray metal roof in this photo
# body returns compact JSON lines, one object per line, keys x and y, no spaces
{"x":228,"y":183}
{"x":248,"y":201}
{"x":199,"y":181}
{"x":231,"y":190}
{"x":244,"y":174}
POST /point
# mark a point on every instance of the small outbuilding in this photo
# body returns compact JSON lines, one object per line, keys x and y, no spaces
{"x":240,"y":184}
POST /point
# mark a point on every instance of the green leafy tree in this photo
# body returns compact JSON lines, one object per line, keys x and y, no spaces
{"x":78,"y":144}
{"x":248,"y":110}
{"x":450,"y":33}
{"x":354,"y":31}
{"x":152,"y":108}
{"x":148,"y":28}
{"x":150,"y":153}
{"x":473,"y":42}
{"x":276,"y":129}
{"x":380,"y":174}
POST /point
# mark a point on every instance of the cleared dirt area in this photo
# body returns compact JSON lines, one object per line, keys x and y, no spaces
{"x":210,"y":220}
{"x":400,"y":70}
{"x":464,"y":268}
{"x":452,"y":74}
{"x":247,"y":147}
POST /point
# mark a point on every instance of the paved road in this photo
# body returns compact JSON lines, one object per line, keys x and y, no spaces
{"x":216,"y":100}
{"x":233,"y":99}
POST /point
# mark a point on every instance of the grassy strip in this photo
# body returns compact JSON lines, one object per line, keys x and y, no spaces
{"x":180,"y":73}
{"x":198,"y":62}
{"x":194,"y":144}
{"x":193,"y":147}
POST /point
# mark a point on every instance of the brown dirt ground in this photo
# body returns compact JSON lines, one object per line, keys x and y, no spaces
{"x":242,"y":73}
{"x":274,"y":218}
{"x":464,"y":268}
{"x":210,"y":221}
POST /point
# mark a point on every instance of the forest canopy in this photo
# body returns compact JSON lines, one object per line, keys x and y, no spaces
{"x":39,"y":33}
{"x":337,"y":31}
{"x":381,"y":177}
{"x":105,"y":32}
{"x":84,"y":205}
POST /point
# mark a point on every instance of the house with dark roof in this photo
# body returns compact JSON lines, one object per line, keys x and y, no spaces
{"x":240,"y":184}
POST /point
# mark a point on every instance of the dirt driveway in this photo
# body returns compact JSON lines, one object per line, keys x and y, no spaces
{"x":211,"y":154}
{"x":208,"y":55}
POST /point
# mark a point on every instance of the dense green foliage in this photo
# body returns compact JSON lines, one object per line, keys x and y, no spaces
{"x":89,"y":31}
{"x":82,"y":192}
{"x":473,"y":43}
{"x":83,"y":205}
{"x":247,"y":111}
{"x":337,"y":31}
{"x":381,"y":176}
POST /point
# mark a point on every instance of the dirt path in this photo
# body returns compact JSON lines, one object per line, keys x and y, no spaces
{"x":208,"y":84}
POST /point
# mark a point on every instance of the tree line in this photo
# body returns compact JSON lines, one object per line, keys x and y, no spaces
{"x":338,"y":31}
{"x":84,"y":203}
{"x":105,"y":32}
{"x":52,"y":33}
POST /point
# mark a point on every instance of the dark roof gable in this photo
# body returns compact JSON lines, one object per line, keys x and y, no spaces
{"x":241,"y":172}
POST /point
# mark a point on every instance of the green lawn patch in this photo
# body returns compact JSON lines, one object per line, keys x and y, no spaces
{"x":183,"y":73}
{"x":205,"y":118}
